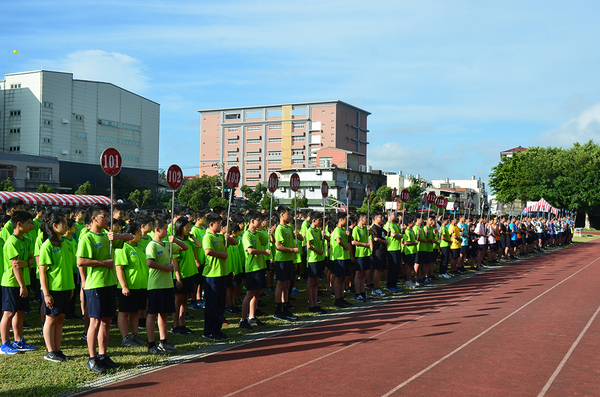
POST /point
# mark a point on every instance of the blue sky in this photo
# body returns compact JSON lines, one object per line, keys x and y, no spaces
{"x":449,"y":83}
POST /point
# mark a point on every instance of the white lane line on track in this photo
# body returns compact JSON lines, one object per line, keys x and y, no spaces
{"x":566,"y":357}
{"x":388,"y":330}
{"x":453,"y":352}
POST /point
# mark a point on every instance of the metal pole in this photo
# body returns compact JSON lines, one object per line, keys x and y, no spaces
{"x":111,"y":214}
{"x":271,"y":211}
{"x":228,"y":210}
{"x":295,"y":210}
{"x":172,"y":225}
{"x":347,"y":210}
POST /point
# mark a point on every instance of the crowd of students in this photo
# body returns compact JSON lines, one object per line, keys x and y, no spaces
{"x":149,"y":268}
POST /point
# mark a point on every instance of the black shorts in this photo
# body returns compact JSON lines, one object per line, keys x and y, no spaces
{"x":135,"y":301}
{"x":493,"y":246}
{"x":188,"y":286}
{"x":342,"y":268}
{"x":198,"y":278}
{"x":455,"y":252}
{"x":421,"y":257}
{"x":101,"y":302}
{"x":328,"y":263}
{"x":409,"y":260}
{"x":502,"y":244}
{"x":161,"y":301}
{"x":315,"y":269}
{"x":238,"y":279}
{"x":482,"y":247}
{"x":270,"y":265}
{"x":256,"y":280}
{"x":12,"y":301}
{"x":378,"y":263}
{"x":61,"y":303}
{"x":394,"y":258}
{"x":514,"y":243}
{"x":464,"y":249}
{"x":363,"y":263}
{"x":285,"y":271}
{"x":230,"y":280}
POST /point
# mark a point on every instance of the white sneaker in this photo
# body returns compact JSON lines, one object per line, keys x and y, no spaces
{"x":377,"y":292}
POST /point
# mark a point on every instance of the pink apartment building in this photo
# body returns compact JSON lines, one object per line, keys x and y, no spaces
{"x":263,"y":139}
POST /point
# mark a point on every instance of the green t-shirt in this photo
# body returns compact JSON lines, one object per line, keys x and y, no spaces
{"x":361,"y":235}
{"x":298,"y":255}
{"x":70,"y":244}
{"x":315,"y":236}
{"x":14,"y":248}
{"x":186,"y":260}
{"x":80,"y":226}
{"x":133,"y":260}
{"x":285,"y":235}
{"x":234,"y":261}
{"x":199,"y":233}
{"x":97,"y":247}
{"x":144,"y":242}
{"x":409,"y":237}
{"x":253,"y":262}
{"x":1,"y":259}
{"x":214,"y":267}
{"x":420,"y":233}
{"x":159,"y":252}
{"x":337,"y":251}
{"x":395,"y":244}
{"x":430,"y":236}
{"x":303,"y":229}
{"x":444,"y":233}
{"x":7,"y":230}
{"x":59,"y":263}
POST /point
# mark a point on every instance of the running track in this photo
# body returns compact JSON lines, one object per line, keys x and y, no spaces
{"x":526,"y":329}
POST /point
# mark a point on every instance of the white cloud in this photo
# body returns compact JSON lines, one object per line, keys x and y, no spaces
{"x":580,"y":129}
{"x":112,"y":67}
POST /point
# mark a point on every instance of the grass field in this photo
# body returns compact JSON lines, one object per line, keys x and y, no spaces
{"x":29,"y":374}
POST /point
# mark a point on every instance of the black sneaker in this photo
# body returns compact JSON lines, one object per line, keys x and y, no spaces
{"x":321,"y":310}
{"x":186,"y":330}
{"x":255,"y":321}
{"x":62,"y":355}
{"x":259,"y":312}
{"x":345,"y":302}
{"x":289,"y":314}
{"x":142,"y":323}
{"x":214,"y":337}
{"x":314,"y":309}
{"x":107,"y":363}
{"x":223,"y":335}
{"x":339,"y":304}
{"x":84,"y":336}
{"x":53,"y":357}
{"x":189,"y":316}
{"x":244,"y":324}
{"x":94,"y":365}
{"x":177,"y":331}
{"x":280,"y":316}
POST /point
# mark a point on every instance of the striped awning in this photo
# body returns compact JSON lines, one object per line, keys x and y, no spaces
{"x":74,"y":200}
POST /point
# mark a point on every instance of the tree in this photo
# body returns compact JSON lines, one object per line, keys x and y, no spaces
{"x":45,"y":189}
{"x":6,"y":186}
{"x":254,"y":195}
{"x":86,"y":188}
{"x":266,"y":202}
{"x":415,"y":191}
{"x":377,"y":200}
{"x":300,"y":202}
{"x":218,"y":201}
{"x":198,"y":192}
{"x":140,"y":198}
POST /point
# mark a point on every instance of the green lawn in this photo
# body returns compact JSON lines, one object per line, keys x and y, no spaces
{"x":29,"y":374}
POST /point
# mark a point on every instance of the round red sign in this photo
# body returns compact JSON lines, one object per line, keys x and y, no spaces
{"x":405,"y":195}
{"x":441,"y":202}
{"x":394,"y":194}
{"x":273,"y":182}
{"x":110,"y":161}
{"x":324,"y":189}
{"x":295,"y":182}
{"x":174,"y":177}
{"x":347,"y":189}
{"x":431,"y":197}
{"x":233,"y":177}
{"x":368,"y":191}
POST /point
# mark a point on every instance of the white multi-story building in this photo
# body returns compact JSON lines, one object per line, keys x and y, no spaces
{"x":46,"y":113}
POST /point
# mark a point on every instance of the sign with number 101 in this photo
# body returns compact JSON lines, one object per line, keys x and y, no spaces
{"x":110,"y":161}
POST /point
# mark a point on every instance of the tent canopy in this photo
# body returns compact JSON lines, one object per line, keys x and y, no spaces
{"x":55,"y":199}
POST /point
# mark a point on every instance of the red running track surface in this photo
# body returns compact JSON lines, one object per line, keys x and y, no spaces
{"x":525,"y":329}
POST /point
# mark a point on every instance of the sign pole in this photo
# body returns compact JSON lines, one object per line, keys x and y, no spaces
{"x":295,"y":185}
{"x":273,"y":184}
{"x":324,"y":193}
{"x":271,"y":211}
{"x":110,"y":161}
{"x":233,"y":178}
{"x":174,"y":180}
{"x":111,"y":212}
{"x":228,"y":211}
{"x":295,"y":215}
{"x":172,"y":224}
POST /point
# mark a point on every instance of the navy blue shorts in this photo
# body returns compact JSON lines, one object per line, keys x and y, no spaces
{"x":61,"y":303}
{"x":363,"y":264}
{"x":285,"y":271}
{"x":256,"y":280}
{"x":101,"y":302}
{"x":482,"y":247}
{"x":161,"y":301}
{"x":230,"y":280}
{"x":464,"y":249}
{"x":198,"y":278}
{"x":455,"y":252}
{"x":341,"y":268}
{"x":378,"y":263}
{"x":315,"y":269}
{"x":12,"y":301}
{"x":421,"y":257}
{"x":135,"y":301}
{"x":238,"y":279}
{"x":394,"y":258}
{"x":188,"y":286}
{"x":409,"y":260}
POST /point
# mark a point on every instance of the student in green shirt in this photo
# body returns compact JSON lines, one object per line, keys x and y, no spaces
{"x":445,"y":241}
{"x":16,"y":277}
{"x":146,"y":222}
{"x":130,"y":263}
{"x":421,"y":257}
{"x":315,"y":237}
{"x":340,"y":256}
{"x":363,"y":248}
{"x":429,"y":265}
{"x":255,"y":248}
{"x":58,"y":285}
{"x":198,"y":231}
{"x":409,"y":246}
{"x":284,"y":263}
{"x":161,"y":297}
{"x":215,"y":273}
{"x":394,"y":252}
{"x":306,"y":223}
{"x":70,"y":241}
{"x":99,"y":282}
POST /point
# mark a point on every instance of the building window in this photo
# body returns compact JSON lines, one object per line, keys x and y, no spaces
{"x":46,"y":140}
{"x":275,"y":127}
{"x":274,"y":152}
{"x":48,"y":122}
{"x":298,"y":125}
{"x":232,"y":153}
{"x":39,"y":174}
{"x":253,"y":115}
{"x":78,"y":151}
{"x":15,"y":113}
{"x":253,"y":141}
{"x":274,"y":162}
{"x":78,"y":135}
{"x":14,"y":149}
{"x":48,"y":104}
{"x":130,"y":158}
{"x":132,"y":143}
{"x":233,"y":141}
{"x":297,"y":161}
{"x":325,"y":161}
{"x":298,"y":139}
{"x":253,"y":154}
{"x":105,"y":139}
{"x":15,"y":130}
{"x":15,"y":86}
{"x":252,"y":180}
{"x":7,"y":171}
{"x":108,"y":123}
{"x":230,"y":129}
{"x":253,"y":171}
{"x":297,"y":152}
{"x":78,"y":117}
{"x":232,"y":116}
{"x":253,"y":128}
{"x":274,"y":140}
{"x":130,"y":127}
{"x":253,"y":162}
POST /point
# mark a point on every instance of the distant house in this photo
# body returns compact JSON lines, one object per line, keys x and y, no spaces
{"x":510,"y":152}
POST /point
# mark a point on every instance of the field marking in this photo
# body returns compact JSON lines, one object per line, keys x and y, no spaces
{"x":425,"y":370}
